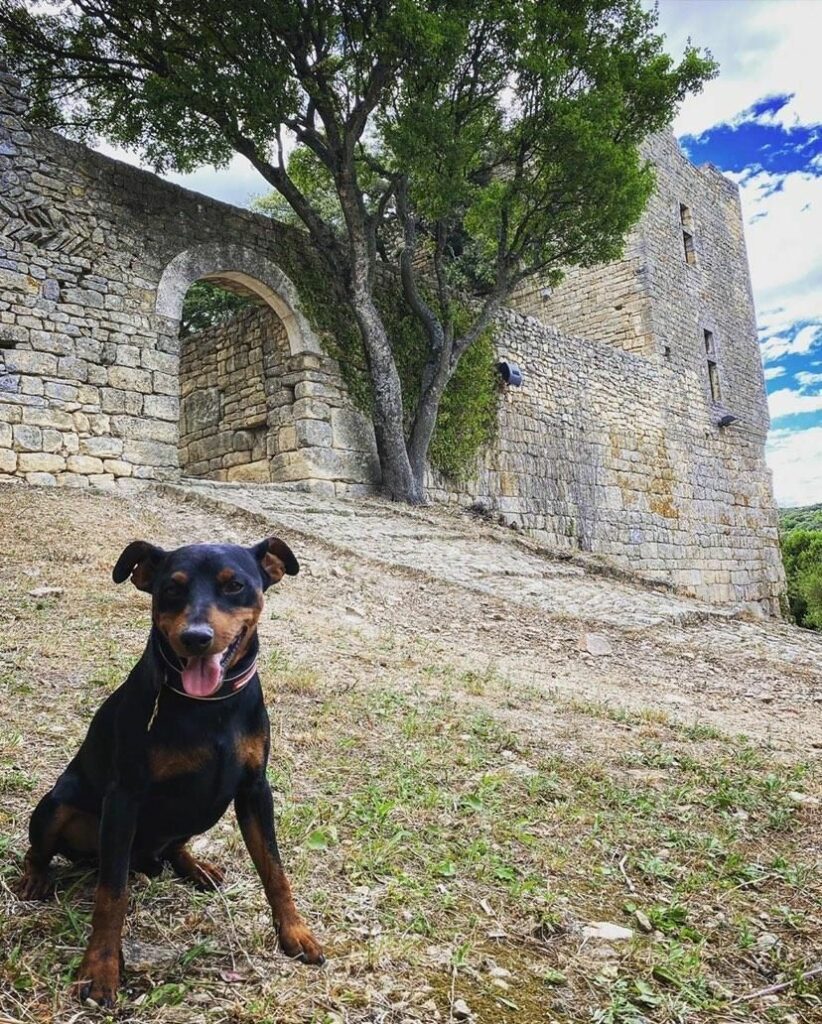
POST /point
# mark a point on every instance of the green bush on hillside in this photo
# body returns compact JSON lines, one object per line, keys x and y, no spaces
{"x":802,"y":557}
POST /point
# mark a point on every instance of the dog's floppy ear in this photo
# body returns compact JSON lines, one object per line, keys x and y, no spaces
{"x":275,"y":559}
{"x":140,"y":561}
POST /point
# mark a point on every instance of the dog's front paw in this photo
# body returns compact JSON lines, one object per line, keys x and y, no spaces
{"x":98,"y":979}
{"x":34,"y":884}
{"x":297,"y":941}
{"x":205,"y":875}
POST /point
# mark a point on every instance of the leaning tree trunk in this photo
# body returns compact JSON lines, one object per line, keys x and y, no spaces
{"x":425,"y":419}
{"x":398,"y":481}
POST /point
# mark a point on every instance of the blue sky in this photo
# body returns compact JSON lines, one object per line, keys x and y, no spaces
{"x":761,"y":123}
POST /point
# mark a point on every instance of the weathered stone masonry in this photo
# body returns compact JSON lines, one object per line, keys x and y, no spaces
{"x":612,"y":445}
{"x":96,"y":259}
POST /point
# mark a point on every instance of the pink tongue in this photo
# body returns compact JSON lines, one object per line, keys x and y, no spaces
{"x":202,"y":676}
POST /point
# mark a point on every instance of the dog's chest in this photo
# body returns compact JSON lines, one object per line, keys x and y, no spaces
{"x":192,"y":780}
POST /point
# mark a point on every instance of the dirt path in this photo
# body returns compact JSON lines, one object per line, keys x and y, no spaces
{"x":485,"y":599}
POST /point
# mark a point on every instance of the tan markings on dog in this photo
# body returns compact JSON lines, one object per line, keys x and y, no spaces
{"x":81,"y":832}
{"x":171,"y":624}
{"x":274,"y":566}
{"x":101,"y":963}
{"x":35,"y":883}
{"x":224,"y":575}
{"x":274,"y":879}
{"x":227,"y":625}
{"x":168,"y":762}
{"x":250,"y":751}
{"x":295,"y":936}
{"x":202,"y":873}
{"x":180,"y":577}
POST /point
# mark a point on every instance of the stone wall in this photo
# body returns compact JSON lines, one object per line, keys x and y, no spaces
{"x":587,"y":457}
{"x":223,"y":406}
{"x":95,"y":259}
{"x":613,"y":444}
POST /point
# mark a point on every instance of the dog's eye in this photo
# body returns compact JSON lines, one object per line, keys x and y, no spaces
{"x":233,"y":587}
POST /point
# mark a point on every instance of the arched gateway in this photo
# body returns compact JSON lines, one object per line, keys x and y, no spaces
{"x":237,"y":264}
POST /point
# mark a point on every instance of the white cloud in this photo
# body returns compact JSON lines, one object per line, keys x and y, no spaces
{"x":786,"y":402}
{"x":795,"y":457}
{"x":783,"y":246}
{"x":778,"y":345}
{"x":772,"y":372}
{"x":764,"y":47}
{"x":804,"y":378}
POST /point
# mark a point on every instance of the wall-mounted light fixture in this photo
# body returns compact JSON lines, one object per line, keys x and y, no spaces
{"x":510,"y":373}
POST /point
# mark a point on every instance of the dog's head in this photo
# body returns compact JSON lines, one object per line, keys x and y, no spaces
{"x":206,"y":600}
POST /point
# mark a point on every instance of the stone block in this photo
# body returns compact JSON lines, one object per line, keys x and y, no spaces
{"x":352,"y":430}
{"x":102,"y":482}
{"x":150,"y":453}
{"x":48,"y":417}
{"x":61,"y":392}
{"x":72,"y":480}
{"x":201,"y":410}
{"x":313,"y":433}
{"x":127,"y":378}
{"x":166,"y":383}
{"x":102,"y":447}
{"x":314,"y":389}
{"x":28,"y":438}
{"x":42,"y":364}
{"x":251,"y":472}
{"x":8,"y":461}
{"x":143,"y":429}
{"x":118,"y":468}
{"x":323,"y":464}
{"x":40,"y":462}
{"x":40,"y":479}
{"x":162,"y":407}
{"x":84,"y":464}
{"x":52,"y":440}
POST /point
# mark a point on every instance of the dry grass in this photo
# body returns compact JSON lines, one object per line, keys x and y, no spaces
{"x":449,"y":830}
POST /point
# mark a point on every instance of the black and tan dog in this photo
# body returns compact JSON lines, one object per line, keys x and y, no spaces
{"x":167,"y":752}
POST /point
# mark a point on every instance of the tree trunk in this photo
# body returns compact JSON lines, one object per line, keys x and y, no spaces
{"x":425,"y":419}
{"x":398,"y":481}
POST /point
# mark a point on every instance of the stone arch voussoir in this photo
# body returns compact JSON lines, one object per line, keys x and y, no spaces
{"x":245,"y":266}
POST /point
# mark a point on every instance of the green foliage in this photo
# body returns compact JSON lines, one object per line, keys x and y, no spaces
{"x":802,"y":557}
{"x":207,"y":305}
{"x":467,"y":416}
{"x":805,"y":517}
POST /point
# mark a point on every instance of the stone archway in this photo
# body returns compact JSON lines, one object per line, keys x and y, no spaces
{"x":226,"y":261}
{"x":259,"y":400}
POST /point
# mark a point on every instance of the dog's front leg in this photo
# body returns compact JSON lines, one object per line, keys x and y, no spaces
{"x":99,"y":974}
{"x":255,"y":813}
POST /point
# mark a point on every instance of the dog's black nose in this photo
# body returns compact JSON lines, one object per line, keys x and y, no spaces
{"x":197,"y":638}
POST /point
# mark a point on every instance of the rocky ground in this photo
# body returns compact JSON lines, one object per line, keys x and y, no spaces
{"x":483,"y":755}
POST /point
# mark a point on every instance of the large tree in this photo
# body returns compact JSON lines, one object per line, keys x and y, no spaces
{"x":471,"y":143}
